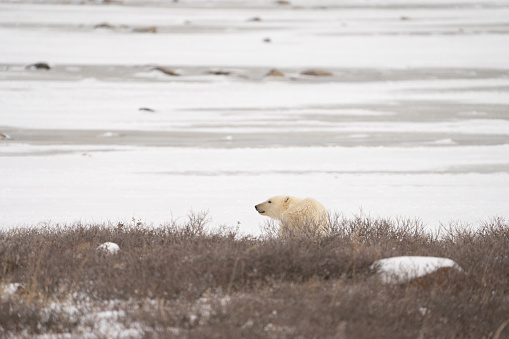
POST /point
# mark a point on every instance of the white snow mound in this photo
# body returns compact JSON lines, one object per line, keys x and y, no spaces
{"x":11,"y":289}
{"x":109,"y":247}
{"x":406,"y":268}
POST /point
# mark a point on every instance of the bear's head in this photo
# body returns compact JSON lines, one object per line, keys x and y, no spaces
{"x":274,"y":207}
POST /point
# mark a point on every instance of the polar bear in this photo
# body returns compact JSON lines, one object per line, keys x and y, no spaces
{"x":306,"y":216}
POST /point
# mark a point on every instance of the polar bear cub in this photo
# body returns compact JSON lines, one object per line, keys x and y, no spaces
{"x":296,"y":215}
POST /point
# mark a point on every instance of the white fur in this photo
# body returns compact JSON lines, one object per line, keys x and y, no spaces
{"x":296,"y":214}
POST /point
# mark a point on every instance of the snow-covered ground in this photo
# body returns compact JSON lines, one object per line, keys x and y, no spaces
{"x":413,"y":121}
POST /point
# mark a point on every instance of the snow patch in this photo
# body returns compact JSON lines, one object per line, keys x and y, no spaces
{"x":108,"y":247}
{"x":108,"y":135}
{"x":447,"y":141}
{"x":12,"y":289}
{"x":405,"y":268}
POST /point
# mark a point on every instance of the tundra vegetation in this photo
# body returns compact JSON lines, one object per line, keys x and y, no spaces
{"x":188,"y":280}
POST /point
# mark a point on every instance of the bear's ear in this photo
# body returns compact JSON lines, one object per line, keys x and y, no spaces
{"x":287,"y":198}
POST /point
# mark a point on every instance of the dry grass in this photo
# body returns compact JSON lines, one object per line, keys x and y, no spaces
{"x":185,"y":280}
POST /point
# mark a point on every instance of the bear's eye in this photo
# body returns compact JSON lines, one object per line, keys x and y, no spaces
{"x":270,"y":202}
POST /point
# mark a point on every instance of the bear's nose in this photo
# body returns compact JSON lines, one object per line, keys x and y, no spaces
{"x":256,"y":207}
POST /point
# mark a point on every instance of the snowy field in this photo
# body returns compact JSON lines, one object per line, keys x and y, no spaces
{"x":413,"y":120}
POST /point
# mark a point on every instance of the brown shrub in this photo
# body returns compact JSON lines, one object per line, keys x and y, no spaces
{"x":185,"y":280}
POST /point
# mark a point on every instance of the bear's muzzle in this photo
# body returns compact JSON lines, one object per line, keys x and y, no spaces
{"x":259,"y":211}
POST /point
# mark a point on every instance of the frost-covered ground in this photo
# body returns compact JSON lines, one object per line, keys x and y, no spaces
{"x":413,"y":121}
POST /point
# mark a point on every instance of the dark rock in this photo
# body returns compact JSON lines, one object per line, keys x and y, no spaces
{"x":150,"y":29}
{"x":316,"y":73}
{"x":146,"y":109}
{"x":220,"y":72}
{"x":39,"y":65}
{"x":104,"y":25}
{"x":167,"y":71}
{"x":275,"y":73}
